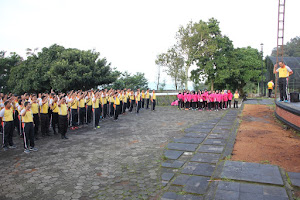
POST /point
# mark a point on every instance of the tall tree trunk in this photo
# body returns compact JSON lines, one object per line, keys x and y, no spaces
{"x":158,"y":77}
{"x":212,"y":85}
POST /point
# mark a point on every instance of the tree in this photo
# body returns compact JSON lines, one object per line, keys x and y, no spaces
{"x":212,"y":56}
{"x":61,"y":69}
{"x":173,"y":64}
{"x":6,"y":64}
{"x":190,"y":40}
{"x":291,"y":49}
{"x":129,"y":81}
{"x":244,"y":67}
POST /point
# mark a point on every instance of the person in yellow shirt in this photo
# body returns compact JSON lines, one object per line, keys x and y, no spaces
{"x":111,"y":104}
{"x":96,"y":109}
{"x":283,"y":73}
{"x":63,"y":116}
{"x":270,"y":87}
{"x":44,"y":116}
{"x":73,"y":101}
{"x":138,"y":101}
{"x":82,"y":109}
{"x":6,"y":115}
{"x":125,"y":100}
{"x":27,"y":119}
{"x":104,"y":104}
{"x":153,"y":100}
{"x":54,"y":110}
{"x":36,"y":117}
{"x":132,"y":101}
{"x":116,"y":106}
{"x":89,"y":102}
{"x":236,"y":99}
{"x":147,"y":97}
{"x":143,"y":99}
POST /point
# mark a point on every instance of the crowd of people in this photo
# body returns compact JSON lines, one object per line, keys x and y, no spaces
{"x":207,"y":100}
{"x":32,"y":114}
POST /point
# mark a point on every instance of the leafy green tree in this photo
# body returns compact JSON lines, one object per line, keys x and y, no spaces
{"x":190,"y":40}
{"x":129,"y":81}
{"x":244,"y":67}
{"x":173,"y":64}
{"x":6,"y":64}
{"x":61,"y":69}
{"x":291,"y":49}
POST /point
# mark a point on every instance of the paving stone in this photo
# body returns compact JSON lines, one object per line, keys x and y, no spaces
{"x":252,"y":172}
{"x":220,"y":142}
{"x":182,"y":147}
{"x":197,"y":130}
{"x":189,"y":140}
{"x":167,"y":176}
{"x":173,"y":164}
{"x":196,"y":135}
{"x":249,"y":191}
{"x":170,"y":154}
{"x":181,"y":180}
{"x":295,"y":178}
{"x":211,"y":149}
{"x":169,"y":196}
{"x":206,"y":157}
{"x":202,"y":169}
{"x":218,"y":136}
{"x":224,"y":131}
{"x":196,"y":185}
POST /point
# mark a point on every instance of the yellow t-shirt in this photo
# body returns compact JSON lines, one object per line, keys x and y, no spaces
{"x":283,"y":72}
{"x":154,"y":96}
{"x":143,"y":95}
{"x":74,"y":104}
{"x":111,"y":99}
{"x":35,"y":108}
{"x":132,"y":97}
{"x":28,"y":117}
{"x":96,"y":103}
{"x":63,"y":109}
{"x":147,"y":95}
{"x":89,"y":102}
{"x":8,"y":115}
{"x":81,"y":103}
{"x":236,"y":95}
{"x":117,"y":101}
{"x":270,"y":85}
{"x":54,"y":107}
{"x":138,"y":97}
{"x":44,"y":108}
{"x":125,"y":98}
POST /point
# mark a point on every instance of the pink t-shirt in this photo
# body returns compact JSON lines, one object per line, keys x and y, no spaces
{"x":230,"y":96}
{"x":195,"y":97}
{"x":179,"y":96}
{"x":204,"y":96}
{"x":225,"y":97}
{"x":189,"y":97}
{"x":219,"y":97}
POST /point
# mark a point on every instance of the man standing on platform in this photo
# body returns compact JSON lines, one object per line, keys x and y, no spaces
{"x":284,"y":71}
{"x":270,"y":87}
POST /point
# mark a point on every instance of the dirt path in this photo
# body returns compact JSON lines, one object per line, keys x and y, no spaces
{"x":262,"y":139}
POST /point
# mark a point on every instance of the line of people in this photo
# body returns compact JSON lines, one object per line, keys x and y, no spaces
{"x":28,"y":112}
{"x":207,"y":100}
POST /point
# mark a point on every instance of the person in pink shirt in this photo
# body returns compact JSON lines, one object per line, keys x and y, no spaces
{"x":195,"y":100}
{"x":213,"y":99}
{"x":204,"y":96}
{"x":186,"y":100}
{"x":225,"y":100}
{"x":219,"y":99}
{"x":200,"y":101}
{"x":230,"y":95}
{"x":179,"y":97}
{"x":190,"y":100}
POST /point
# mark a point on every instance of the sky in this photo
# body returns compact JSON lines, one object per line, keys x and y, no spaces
{"x":131,"y":33}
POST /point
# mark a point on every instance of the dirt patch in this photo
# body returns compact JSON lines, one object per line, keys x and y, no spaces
{"x":262,"y":139}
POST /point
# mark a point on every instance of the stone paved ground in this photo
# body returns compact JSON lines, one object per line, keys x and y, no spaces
{"x":119,"y":161}
{"x":197,"y":166}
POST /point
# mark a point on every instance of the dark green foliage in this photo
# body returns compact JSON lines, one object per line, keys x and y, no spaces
{"x":291,"y":49}
{"x":129,"y":81}
{"x":61,"y":69}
